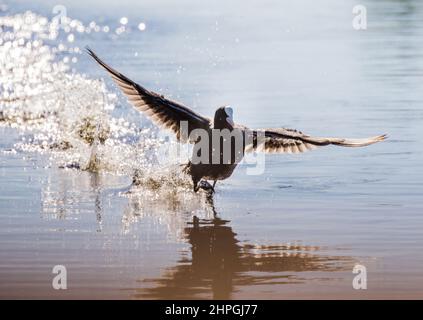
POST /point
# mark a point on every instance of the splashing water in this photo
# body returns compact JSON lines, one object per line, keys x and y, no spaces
{"x":69,"y":115}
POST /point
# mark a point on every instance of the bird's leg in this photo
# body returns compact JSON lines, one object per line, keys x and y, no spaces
{"x":210,"y":202}
{"x":196,"y":185}
{"x":214,"y":183}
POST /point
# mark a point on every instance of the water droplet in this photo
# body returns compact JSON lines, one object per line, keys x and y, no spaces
{"x":123,"y":20}
{"x":71,"y":37}
{"x":142,"y":26}
{"x":120,"y":30}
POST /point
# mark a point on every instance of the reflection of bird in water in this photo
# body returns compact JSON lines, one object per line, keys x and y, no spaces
{"x":219,"y":263}
{"x":217,"y":160}
{"x":69,"y":197}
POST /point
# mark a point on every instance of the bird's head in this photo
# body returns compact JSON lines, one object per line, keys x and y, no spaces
{"x":223,"y":118}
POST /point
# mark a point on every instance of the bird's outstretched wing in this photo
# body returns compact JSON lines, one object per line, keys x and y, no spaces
{"x":281,"y":140}
{"x":164,"y":112}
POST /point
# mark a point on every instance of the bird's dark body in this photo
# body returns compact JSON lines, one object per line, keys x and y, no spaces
{"x":216,"y":166}
{"x":213,"y":172}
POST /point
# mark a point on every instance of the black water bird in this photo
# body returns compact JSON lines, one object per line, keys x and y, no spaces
{"x":211,"y":163}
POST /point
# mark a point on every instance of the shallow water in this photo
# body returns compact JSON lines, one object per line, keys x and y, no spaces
{"x":70,"y":146}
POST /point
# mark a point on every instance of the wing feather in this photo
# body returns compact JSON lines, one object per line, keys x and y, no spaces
{"x":164,"y":112}
{"x":282,"y":140}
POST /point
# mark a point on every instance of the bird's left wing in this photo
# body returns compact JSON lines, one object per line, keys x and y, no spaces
{"x":282,"y":140}
{"x":164,"y":112}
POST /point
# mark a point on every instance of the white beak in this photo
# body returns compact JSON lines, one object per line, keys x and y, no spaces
{"x":230,"y":121}
{"x":229,"y":112}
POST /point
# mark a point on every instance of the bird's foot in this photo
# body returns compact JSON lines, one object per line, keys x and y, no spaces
{"x":205,"y":185}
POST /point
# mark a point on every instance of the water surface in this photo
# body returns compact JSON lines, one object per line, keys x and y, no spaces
{"x":70,"y":146}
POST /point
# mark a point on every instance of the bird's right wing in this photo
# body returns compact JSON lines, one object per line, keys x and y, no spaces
{"x":164,"y":112}
{"x":282,"y":140}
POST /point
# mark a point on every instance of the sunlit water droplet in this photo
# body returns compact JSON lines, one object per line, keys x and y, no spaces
{"x":123,"y":20}
{"x":71,"y":38}
{"x":142,"y":26}
{"x":68,"y":114}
